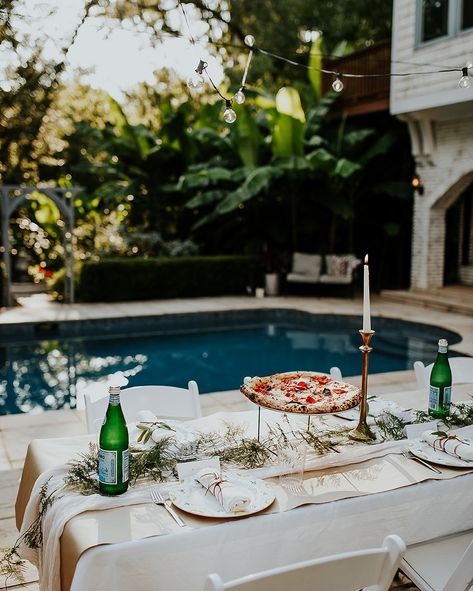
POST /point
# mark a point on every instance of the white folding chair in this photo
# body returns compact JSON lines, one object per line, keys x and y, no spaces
{"x":351,"y":571}
{"x":336,"y":373}
{"x":163,"y":401}
{"x":462,"y":371}
{"x":441,"y":565}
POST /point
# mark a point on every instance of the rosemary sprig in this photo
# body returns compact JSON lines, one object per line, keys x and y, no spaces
{"x":12,"y":566}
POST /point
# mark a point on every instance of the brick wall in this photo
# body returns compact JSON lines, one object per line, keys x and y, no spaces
{"x":446,"y":172}
{"x":440,"y":120}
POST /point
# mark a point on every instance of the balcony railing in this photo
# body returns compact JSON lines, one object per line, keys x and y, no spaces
{"x":361,"y":95}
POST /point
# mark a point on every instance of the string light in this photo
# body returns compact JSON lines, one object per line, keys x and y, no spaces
{"x":229,"y":114}
{"x":240,"y":96}
{"x":337,"y":84}
{"x":196,"y":81}
{"x":465,"y":79}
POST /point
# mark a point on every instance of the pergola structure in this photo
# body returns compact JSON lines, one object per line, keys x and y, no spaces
{"x":12,"y":196}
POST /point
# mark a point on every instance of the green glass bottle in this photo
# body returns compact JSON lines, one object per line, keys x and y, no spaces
{"x":113,"y":448}
{"x":440,"y":393}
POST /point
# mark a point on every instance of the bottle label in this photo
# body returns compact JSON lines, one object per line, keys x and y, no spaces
{"x":108,"y":466}
{"x":125,"y":463}
{"x":447,"y":397}
{"x":434,"y":398}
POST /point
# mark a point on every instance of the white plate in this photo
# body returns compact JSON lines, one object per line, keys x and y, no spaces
{"x":424,"y":451}
{"x":376,"y":407}
{"x":191,"y":496}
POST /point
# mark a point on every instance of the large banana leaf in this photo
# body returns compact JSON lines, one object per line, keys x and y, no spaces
{"x":354,"y":138}
{"x":321,"y":159}
{"x":257,"y":181}
{"x":316,"y":114}
{"x":346,"y":168}
{"x":206,"y":198}
{"x":380,"y":147}
{"x":315,"y":63}
{"x":247,"y":136}
{"x":288,"y":133}
{"x":206,"y":177}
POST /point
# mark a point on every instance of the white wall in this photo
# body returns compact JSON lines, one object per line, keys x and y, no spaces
{"x":433,"y":90}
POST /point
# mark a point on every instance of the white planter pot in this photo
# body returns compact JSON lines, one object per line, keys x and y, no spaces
{"x":271,"y":284}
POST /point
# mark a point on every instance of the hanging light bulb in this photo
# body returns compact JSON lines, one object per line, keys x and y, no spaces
{"x":465,"y":79}
{"x":249,"y":40}
{"x":196,"y":81}
{"x":229,"y":114}
{"x":240,"y":97}
{"x":337,"y":84}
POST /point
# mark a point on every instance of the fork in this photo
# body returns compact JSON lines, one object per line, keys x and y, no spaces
{"x":158,"y":498}
{"x":410,"y":456}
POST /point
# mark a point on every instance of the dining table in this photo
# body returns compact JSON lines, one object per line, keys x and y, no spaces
{"x":353,"y":499}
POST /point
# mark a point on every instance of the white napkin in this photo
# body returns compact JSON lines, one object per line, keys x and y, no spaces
{"x":453,"y":446}
{"x":146,"y":416}
{"x":232,"y":497}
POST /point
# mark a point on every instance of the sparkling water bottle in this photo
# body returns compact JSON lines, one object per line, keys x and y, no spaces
{"x":113,"y":448}
{"x":440,"y":392}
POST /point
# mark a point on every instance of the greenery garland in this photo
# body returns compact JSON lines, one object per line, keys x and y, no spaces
{"x":159,"y":462}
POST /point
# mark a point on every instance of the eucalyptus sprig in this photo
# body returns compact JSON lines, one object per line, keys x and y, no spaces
{"x":392,"y":427}
{"x":12,"y":566}
{"x":147,"y":428}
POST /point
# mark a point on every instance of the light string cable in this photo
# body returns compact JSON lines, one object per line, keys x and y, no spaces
{"x":196,"y":81}
{"x":338,"y":84}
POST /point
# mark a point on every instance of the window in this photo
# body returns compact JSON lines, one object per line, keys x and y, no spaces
{"x":466,"y":14}
{"x":435,"y":18}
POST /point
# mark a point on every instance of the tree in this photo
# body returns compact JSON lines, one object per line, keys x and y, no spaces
{"x":29,"y":79}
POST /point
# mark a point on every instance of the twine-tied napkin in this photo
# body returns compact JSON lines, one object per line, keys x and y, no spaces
{"x":453,"y":445}
{"x":231,"y":496}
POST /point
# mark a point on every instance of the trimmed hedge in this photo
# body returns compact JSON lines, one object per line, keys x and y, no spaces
{"x":123,"y":279}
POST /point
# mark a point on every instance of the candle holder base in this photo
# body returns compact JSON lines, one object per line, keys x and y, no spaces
{"x":362,"y":433}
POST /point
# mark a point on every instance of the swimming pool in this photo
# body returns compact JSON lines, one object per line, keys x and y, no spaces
{"x":45,"y":366}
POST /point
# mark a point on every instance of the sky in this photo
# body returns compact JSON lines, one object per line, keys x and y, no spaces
{"x":113,"y":61}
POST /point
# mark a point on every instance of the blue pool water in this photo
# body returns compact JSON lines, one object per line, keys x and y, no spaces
{"x":217,"y":350}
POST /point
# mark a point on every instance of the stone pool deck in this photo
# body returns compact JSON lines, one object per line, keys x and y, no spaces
{"x":17,"y":430}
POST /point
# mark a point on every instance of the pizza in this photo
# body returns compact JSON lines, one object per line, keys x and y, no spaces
{"x":301,"y":391}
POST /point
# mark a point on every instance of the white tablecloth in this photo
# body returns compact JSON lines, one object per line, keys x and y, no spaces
{"x":181,"y":561}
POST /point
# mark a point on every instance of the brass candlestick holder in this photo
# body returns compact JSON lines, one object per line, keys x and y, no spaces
{"x":362,"y":431}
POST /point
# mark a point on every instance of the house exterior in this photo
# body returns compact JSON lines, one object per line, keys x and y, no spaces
{"x":430,"y":35}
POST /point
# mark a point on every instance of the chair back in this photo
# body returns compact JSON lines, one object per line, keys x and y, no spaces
{"x":163,"y":401}
{"x":462,"y":371}
{"x":374,"y":568}
{"x":462,"y":578}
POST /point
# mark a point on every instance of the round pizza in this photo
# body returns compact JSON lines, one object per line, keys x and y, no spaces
{"x":301,"y":391}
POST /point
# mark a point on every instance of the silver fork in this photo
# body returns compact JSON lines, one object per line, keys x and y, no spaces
{"x":410,"y":456}
{"x":158,"y":498}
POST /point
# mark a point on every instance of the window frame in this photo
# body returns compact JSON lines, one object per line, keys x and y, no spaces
{"x":462,"y":30}
{"x":455,"y":11}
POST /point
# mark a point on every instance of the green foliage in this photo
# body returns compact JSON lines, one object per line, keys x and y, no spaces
{"x":288,"y":134}
{"x":134,"y":278}
{"x":315,"y":63}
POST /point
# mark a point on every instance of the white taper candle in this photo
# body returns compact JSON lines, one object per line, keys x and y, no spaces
{"x":366,"y":297}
